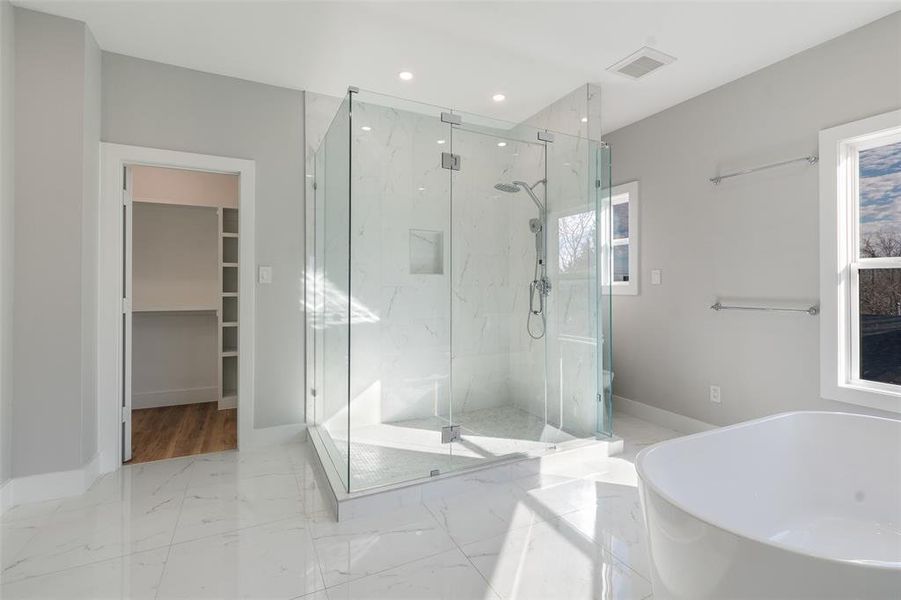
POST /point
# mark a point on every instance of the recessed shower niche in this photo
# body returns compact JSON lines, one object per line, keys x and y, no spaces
{"x":426,"y":252}
{"x":442,"y":294}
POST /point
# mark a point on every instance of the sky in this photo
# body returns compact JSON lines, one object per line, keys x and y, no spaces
{"x":880,"y":190}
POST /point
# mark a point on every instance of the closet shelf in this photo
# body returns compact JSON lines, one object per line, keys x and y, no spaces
{"x":229,"y":294}
{"x":230,"y":353}
{"x":230,"y":264}
{"x":228,"y":234}
{"x":168,"y":309}
{"x":229,"y":323}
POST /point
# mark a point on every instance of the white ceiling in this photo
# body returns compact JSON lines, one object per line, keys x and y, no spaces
{"x":463,"y":52}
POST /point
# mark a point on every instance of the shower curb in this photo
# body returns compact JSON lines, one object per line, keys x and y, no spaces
{"x":409,"y":493}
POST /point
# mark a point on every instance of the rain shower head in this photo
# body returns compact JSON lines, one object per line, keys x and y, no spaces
{"x":518,"y":186}
{"x":510,"y":188}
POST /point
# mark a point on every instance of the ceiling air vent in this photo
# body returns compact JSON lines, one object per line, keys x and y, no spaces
{"x":641,"y":63}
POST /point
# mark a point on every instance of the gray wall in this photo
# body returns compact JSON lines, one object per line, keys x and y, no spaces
{"x":753,"y":237}
{"x":56,"y":169}
{"x":161,"y":106}
{"x":7,"y":87}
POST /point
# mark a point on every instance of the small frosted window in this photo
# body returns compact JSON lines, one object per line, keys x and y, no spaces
{"x":426,"y":252}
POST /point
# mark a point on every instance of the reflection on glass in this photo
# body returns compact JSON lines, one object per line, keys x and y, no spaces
{"x":621,"y":220}
{"x":576,"y":235}
{"x":621,"y":263}
{"x":880,"y":325}
{"x":880,"y":201}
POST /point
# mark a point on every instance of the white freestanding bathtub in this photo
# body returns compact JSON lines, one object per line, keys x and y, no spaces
{"x":797,"y":505}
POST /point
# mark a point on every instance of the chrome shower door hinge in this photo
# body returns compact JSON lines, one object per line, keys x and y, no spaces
{"x":545,"y":136}
{"x":450,"y":161}
{"x":451,"y":118}
{"x":449,"y":434}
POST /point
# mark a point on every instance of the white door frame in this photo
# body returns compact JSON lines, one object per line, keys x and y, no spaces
{"x":113,"y":158}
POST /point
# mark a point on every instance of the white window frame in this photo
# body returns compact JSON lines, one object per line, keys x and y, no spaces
{"x":626,"y":192}
{"x":839,"y":262}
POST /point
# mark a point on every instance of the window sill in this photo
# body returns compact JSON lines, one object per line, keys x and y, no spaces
{"x":863,"y":395}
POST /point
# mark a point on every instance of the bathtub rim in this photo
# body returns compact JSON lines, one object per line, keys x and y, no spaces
{"x":893,"y":566}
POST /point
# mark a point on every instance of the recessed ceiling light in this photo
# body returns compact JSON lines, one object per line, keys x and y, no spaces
{"x":498,"y":97}
{"x":405,"y":75}
{"x":584,"y":119}
{"x":501,"y":144}
{"x":422,"y":189}
{"x":366,"y":128}
{"x":441,"y":141}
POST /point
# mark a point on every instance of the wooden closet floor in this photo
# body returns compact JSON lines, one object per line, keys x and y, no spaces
{"x":170,"y":431}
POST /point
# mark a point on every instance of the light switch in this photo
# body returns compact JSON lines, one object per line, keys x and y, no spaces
{"x":656,"y":276}
{"x":265,"y":274}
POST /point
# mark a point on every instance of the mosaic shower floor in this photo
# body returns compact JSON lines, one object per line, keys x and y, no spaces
{"x":393,"y":452}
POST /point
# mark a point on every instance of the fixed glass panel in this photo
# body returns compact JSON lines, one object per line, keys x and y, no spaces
{"x":332,"y":306}
{"x":603,"y":185}
{"x":500,"y":301}
{"x":572,"y":334}
{"x":400,"y":290}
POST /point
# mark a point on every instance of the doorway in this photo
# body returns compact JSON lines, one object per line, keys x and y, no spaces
{"x":182,"y":281}
{"x":173,"y":244}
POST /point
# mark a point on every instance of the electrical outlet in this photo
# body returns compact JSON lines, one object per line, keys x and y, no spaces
{"x":656,"y":276}
{"x":715,"y":394}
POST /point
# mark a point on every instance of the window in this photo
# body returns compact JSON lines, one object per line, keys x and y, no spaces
{"x":624,"y":243}
{"x":860,"y":228}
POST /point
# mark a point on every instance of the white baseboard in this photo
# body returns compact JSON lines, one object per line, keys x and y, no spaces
{"x":174,"y":397}
{"x":49,"y":486}
{"x":661,"y":417}
{"x":272,"y":436}
{"x":228,"y":402}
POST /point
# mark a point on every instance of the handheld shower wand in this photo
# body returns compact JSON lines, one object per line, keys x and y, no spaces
{"x":540,"y":286}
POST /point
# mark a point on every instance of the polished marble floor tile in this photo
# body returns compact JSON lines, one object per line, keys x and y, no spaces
{"x":79,"y":537}
{"x":360,"y":547}
{"x":13,"y":539}
{"x":617,"y":525}
{"x":268,"y":561}
{"x":238,"y":503}
{"x":134,"y":576}
{"x":231,"y":466}
{"x":258,"y":524}
{"x":445,"y":576}
{"x":469,"y":517}
{"x":553,"y":561}
{"x":34,"y":511}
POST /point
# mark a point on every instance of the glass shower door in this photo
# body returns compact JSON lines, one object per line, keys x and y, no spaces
{"x":499,"y":298}
{"x":399,"y":387}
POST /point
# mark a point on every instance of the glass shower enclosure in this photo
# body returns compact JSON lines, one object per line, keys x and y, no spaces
{"x":458,"y":291}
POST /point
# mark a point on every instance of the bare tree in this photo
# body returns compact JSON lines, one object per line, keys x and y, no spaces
{"x":880,"y":289}
{"x":576,"y":244}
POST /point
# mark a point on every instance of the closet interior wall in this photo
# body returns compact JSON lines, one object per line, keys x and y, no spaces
{"x":185,"y":295}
